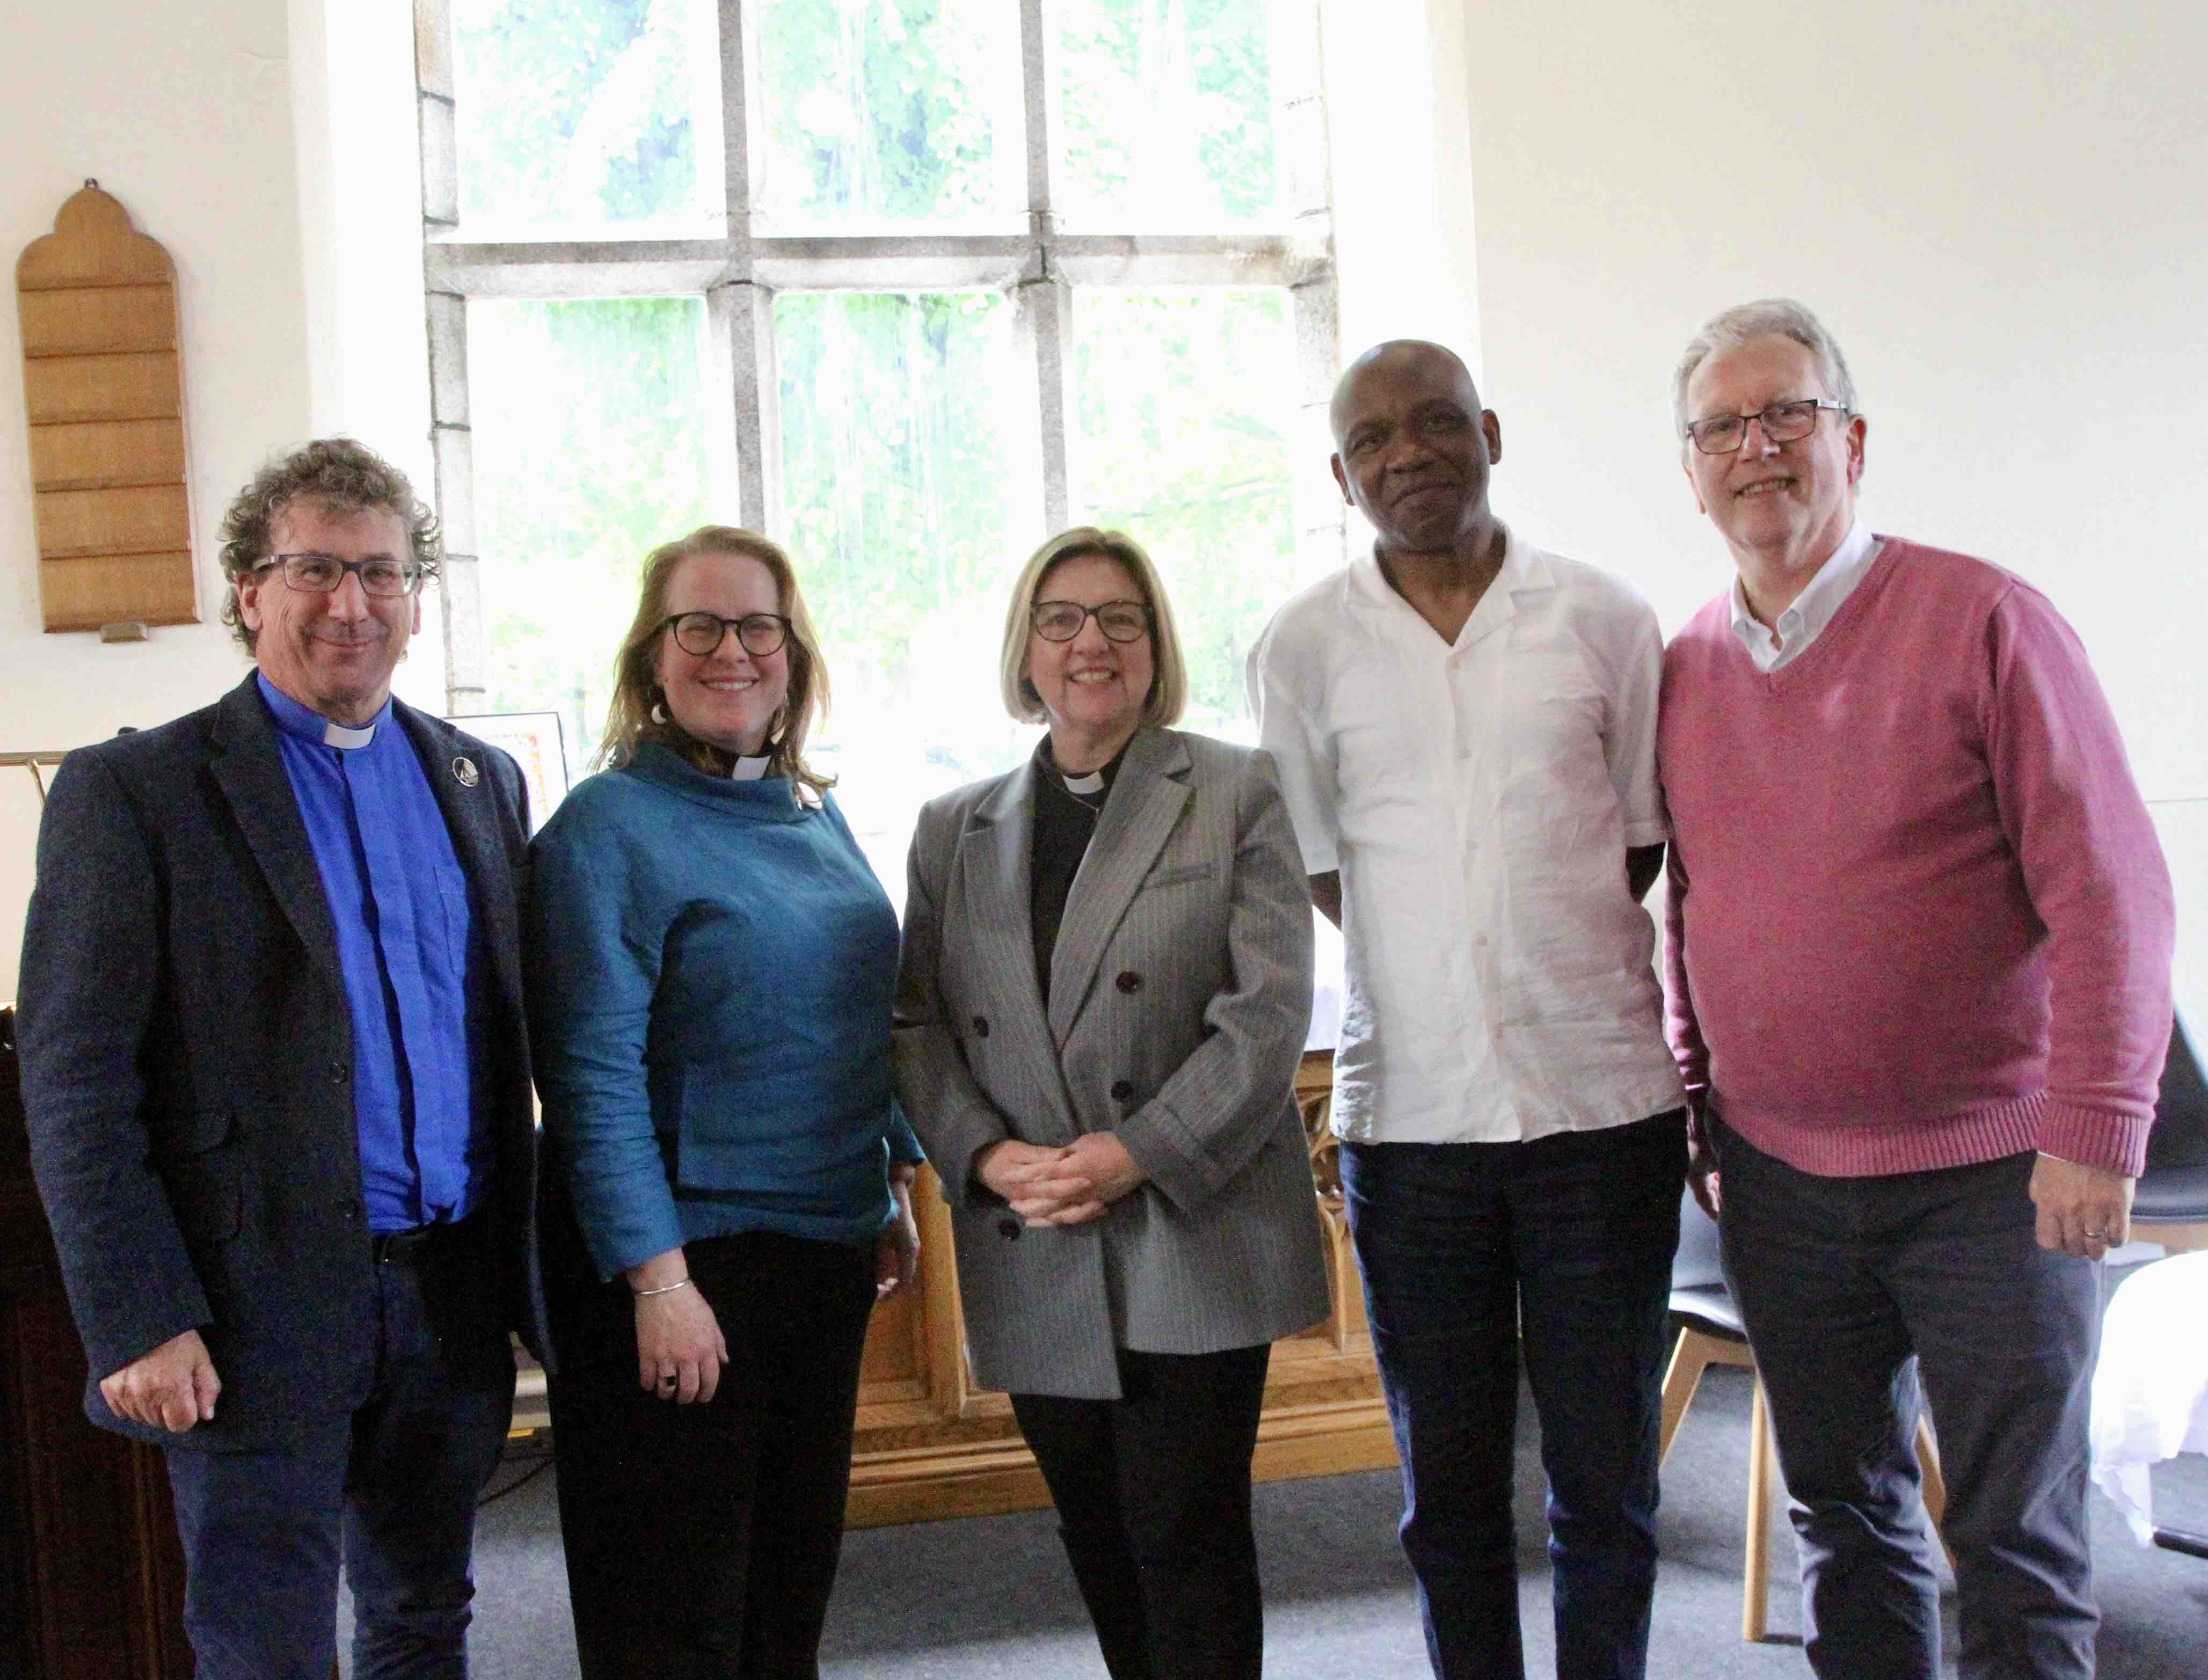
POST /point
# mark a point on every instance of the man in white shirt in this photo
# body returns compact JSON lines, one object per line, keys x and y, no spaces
{"x":1465,"y":727}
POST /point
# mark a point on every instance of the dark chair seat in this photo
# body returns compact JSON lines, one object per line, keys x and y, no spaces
{"x":2172,"y":1195}
{"x":2169,"y":1196}
{"x":1708,"y":1307}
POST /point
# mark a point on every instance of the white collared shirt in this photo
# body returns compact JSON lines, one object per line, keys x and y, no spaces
{"x":1804,"y":622}
{"x":1478,"y":799}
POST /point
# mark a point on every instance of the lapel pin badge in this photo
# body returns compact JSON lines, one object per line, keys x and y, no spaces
{"x":465,"y":773}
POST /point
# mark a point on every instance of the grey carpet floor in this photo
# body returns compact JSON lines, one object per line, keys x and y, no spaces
{"x":990,"y":1598}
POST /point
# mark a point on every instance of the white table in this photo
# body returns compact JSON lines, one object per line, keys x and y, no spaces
{"x":2150,"y":1389}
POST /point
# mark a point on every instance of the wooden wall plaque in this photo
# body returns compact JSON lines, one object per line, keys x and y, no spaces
{"x":105,"y":390}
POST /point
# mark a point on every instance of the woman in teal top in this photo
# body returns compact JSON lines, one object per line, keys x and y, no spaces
{"x":712,"y":967}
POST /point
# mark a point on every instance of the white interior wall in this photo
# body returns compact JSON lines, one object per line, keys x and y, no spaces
{"x":1999,"y":208}
{"x":1405,"y":258}
{"x":182,"y":111}
{"x":359,"y":145}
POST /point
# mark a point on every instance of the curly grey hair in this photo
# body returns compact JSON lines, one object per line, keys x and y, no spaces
{"x":334,"y":472}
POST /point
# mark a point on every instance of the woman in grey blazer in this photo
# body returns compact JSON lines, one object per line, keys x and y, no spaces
{"x":1104,"y":990}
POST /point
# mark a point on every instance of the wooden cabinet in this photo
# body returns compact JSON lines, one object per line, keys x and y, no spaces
{"x":931,"y":1445}
{"x":92,"y":1577}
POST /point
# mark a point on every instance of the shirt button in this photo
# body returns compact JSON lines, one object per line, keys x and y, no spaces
{"x":1481,"y":942}
{"x":1009,"y":1229}
{"x":981,"y":1026}
{"x":1122,"y":1090}
{"x":1128,"y":980}
{"x":338,"y":1073}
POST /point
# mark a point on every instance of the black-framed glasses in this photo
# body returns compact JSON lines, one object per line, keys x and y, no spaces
{"x":320,"y":574}
{"x":1061,"y":620}
{"x":1782,"y":422}
{"x":698,"y":633}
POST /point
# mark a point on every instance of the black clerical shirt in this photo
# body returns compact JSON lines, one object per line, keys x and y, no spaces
{"x":1064,"y":821}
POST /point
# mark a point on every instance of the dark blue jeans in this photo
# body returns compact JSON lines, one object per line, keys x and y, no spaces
{"x":1565,"y":1246}
{"x":1853,"y":1289}
{"x":395,"y":1483}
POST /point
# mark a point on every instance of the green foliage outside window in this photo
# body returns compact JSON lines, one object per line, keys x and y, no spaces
{"x":1183,"y":400}
{"x":582,"y":111}
{"x":590,"y":426}
{"x":1165,"y":112}
{"x":906,"y":422}
{"x":898,"y":111}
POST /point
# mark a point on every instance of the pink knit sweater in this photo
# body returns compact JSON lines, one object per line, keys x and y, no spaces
{"x":1917,"y":914}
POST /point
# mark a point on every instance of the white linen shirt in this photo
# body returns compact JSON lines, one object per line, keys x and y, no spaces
{"x":1478,"y":799}
{"x":1805,"y":620}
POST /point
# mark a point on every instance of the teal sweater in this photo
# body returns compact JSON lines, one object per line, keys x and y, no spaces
{"x":712,"y":967}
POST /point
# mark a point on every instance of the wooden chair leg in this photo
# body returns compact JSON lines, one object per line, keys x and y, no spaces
{"x":1691,"y":1358}
{"x":1935,"y":1484}
{"x":2174,"y":1238}
{"x":1762,"y":1468}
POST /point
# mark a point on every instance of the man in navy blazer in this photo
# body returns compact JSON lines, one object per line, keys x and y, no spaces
{"x":277,"y":1082}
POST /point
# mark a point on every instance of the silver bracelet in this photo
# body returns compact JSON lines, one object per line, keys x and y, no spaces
{"x":664,"y":1289}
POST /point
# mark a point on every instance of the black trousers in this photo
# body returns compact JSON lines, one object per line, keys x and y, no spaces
{"x":702,"y":1540}
{"x":1153,"y":1497}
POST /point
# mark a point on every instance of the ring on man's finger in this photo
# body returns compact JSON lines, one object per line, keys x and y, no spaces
{"x":2096,"y":1236}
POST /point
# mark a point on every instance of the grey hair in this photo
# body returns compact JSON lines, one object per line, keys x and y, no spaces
{"x":1765,"y":318}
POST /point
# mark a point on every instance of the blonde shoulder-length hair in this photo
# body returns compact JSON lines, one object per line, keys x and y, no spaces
{"x":629,"y":718}
{"x":1168,"y":693}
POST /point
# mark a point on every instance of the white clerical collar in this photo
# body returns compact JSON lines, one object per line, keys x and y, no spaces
{"x":1091,"y":784}
{"x":336,"y":735}
{"x":749,"y":769}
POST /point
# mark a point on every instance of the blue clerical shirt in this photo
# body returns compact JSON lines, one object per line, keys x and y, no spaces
{"x":412,"y":964}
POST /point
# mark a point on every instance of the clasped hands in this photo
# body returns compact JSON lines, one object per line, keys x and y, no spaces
{"x":1066,"y":1185}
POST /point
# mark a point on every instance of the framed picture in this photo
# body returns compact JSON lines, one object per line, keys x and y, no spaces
{"x":537,"y":744}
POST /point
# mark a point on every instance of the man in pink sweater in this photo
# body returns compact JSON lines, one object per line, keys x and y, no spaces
{"x":1918,"y":955}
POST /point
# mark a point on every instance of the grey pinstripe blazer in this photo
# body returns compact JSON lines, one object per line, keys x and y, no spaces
{"x":1180,"y":995}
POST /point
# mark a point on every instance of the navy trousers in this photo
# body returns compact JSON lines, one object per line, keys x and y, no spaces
{"x":1153,"y":1497}
{"x":1854,"y":1290}
{"x":1562,"y":1246}
{"x":393,"y":1487}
